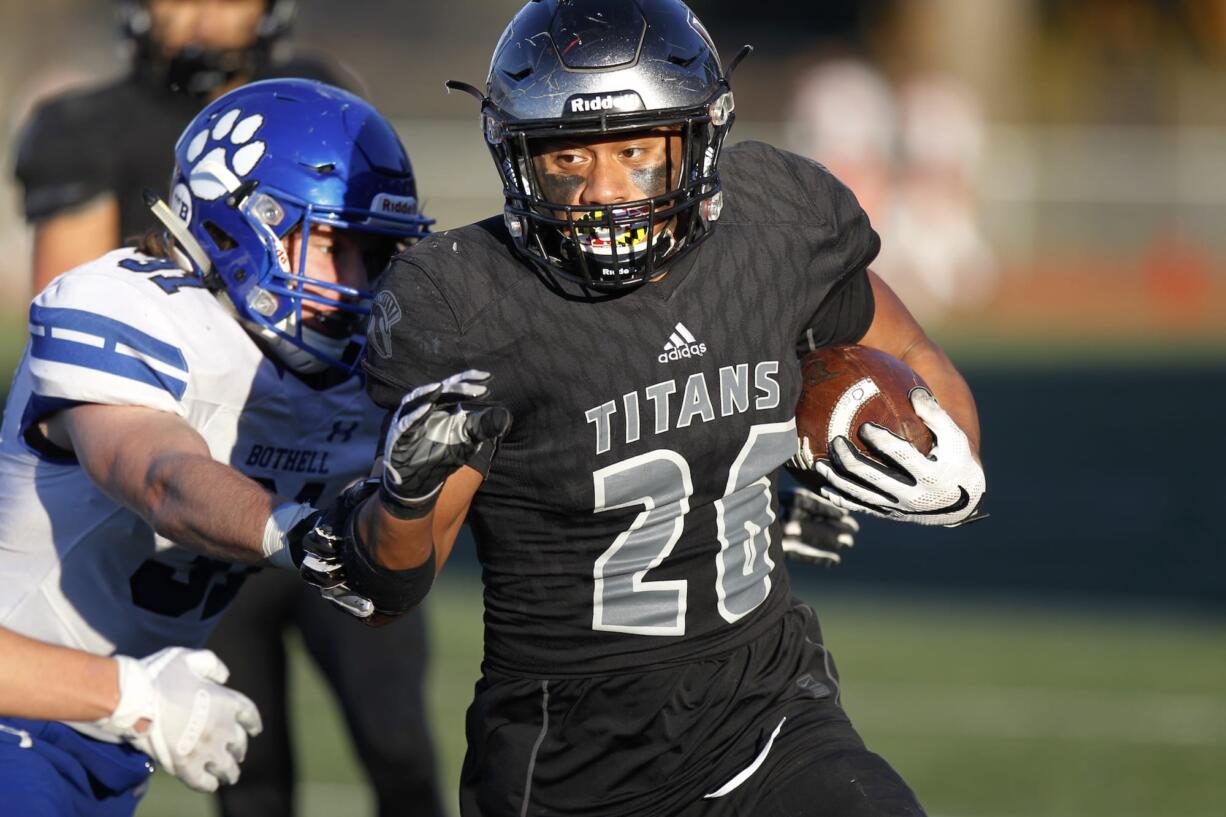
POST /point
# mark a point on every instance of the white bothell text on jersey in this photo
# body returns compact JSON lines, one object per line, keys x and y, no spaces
{"x":77,"y":568}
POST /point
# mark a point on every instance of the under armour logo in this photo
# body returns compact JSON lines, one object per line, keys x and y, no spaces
{"x":343,"y":430}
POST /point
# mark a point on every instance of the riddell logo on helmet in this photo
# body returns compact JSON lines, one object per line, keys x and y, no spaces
{"x":394,"y":205}
{"x":595,"y":103}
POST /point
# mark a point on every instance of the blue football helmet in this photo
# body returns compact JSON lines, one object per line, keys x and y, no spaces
{"x":275,"y":156}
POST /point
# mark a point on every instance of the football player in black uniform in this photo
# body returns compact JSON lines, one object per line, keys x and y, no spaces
{"x":84,"y":159}
{"x":602,"y":381}
{"x":86,"y":155}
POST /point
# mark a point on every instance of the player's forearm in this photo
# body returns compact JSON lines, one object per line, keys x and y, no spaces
{"x":895,"y":331}
{"x":394,"y":543}
{"x":69,"y":239}
{"x":205,"y":505}
{"x":154,"y":463}
{"x":932,"y":364}
{"x":47,"y":682}
{"x":403,"y":543}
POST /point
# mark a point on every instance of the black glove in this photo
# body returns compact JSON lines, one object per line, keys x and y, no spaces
{"x":814,"y":530}
{"x":431,"y":436}
{"x":315,"y":545}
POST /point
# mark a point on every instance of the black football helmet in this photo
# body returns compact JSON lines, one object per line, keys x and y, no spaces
{"x":197,"y":71}
{"x":585,"y":68}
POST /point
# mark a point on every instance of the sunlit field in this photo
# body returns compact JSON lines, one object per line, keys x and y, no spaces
{"x":988,"y":710}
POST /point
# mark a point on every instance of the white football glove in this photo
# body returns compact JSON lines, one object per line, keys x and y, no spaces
{"x":943,"y":488}
{"x":197,"y":728}
{"x":814,"y":529}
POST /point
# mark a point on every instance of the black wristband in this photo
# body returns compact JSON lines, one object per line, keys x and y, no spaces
{"x":393,"y":592}
{"x":402,"y":509}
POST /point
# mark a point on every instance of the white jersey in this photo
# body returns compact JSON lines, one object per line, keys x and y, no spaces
{"x":76,"y":567}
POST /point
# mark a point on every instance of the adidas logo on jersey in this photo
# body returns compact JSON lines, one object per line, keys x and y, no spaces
{"x":681,"y":343}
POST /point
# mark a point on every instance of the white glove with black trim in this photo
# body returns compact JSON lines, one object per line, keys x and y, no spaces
{"x":197,"y":728}
{"x":814,"y":529}
{"x":431,"y":436}
{"x":943,"y":488}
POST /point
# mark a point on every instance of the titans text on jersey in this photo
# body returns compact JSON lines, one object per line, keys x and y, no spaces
{"x":76,"y":567}
{"x":695,"y":403}
{"x":628,"y":517}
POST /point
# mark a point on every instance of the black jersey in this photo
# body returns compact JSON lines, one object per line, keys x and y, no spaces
{"x":117,"y":139}
{"x":628,"y":517}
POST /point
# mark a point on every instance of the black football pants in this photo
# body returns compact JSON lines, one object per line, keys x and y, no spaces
{"x":761,"y":726}
{"x":377,"y":674}
{"x":841,"y":779}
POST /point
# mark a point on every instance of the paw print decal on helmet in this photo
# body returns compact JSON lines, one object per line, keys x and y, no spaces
{"x":221,"y":155}
{"x":241,"y":187}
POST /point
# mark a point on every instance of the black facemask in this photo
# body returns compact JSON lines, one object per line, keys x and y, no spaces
{"x":197,"y":72}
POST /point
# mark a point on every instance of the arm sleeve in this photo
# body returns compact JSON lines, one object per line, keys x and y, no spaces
{"x":58,"y":169}
{"x":843,"y":317}
{"x":93,"y":340}
{"x":414,"y":336}
{"x":847,"y":246}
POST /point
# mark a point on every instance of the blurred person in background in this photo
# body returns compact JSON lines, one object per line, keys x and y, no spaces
{"x":911,"y":155}
{"x":84,"y":160}
{"x":172,"y":397}
{"x":936,"y":256}
{"x":843,"y":114}
{"x":85,"y":156}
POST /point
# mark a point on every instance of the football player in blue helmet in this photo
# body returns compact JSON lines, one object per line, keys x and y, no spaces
{"x":153,"y":439}
{"x":289,"y":225}
{"x":249,"y":189}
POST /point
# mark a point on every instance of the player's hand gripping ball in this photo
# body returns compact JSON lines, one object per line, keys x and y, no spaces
{"x":873,"y":439}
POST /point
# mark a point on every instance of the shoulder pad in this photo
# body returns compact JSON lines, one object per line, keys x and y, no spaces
{"x":57,"y":166}
{"x":98,"y":338}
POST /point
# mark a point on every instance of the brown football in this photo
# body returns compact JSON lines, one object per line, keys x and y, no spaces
{"x":844,"y":387}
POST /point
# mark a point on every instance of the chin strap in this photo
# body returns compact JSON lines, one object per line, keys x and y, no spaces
{"x":187,"y":249}
{"x":297,"y":358}
{"x":189,"y":254}
{"x":292,"y":355}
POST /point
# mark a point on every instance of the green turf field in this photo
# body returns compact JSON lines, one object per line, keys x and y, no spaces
{"x":988,"y":710}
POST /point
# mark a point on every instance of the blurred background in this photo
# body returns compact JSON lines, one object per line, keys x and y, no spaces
{"x":1049,"y":179}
